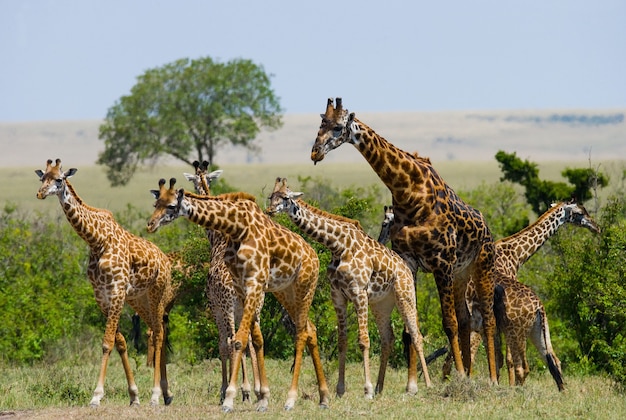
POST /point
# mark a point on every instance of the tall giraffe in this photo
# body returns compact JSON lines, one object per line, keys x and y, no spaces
{"x":361,"y":271}
{"x":262,"y":256}
{"x":122,"y":268}
{"x":220,"y":291}
{"x":436,"y":230}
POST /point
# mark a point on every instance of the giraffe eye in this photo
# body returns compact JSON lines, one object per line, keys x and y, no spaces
{"x":338,"y":128}
{"x":171,"y":207}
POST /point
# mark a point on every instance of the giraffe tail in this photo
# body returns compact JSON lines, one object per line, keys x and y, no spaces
{"x":499,"y":308}
{"x":551,"y":359}
{"x":555,"y":371}
{"x":136,"y":331}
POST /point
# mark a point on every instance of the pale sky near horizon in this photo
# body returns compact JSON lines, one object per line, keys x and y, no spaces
{"x":71,"y":59}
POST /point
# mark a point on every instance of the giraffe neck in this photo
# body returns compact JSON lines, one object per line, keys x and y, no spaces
{"x":332,"y":231}
{"x":519,"y":247}
{"x":90,"y":223}
{"x":227,"y":214}
{"x":402,"y":172}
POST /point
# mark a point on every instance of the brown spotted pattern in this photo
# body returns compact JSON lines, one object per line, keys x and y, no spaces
{"x":435,"y":230}
{"x":122,"y":268}
{"x":363,"y":272}
{"x":262,"y":256}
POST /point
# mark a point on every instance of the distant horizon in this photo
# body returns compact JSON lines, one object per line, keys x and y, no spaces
{"x":537,"y":135}
{"x":621,"y":109}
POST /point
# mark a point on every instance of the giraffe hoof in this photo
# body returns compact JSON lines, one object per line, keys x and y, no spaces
{"x":226,"y":409}
{"x":168,"y":400}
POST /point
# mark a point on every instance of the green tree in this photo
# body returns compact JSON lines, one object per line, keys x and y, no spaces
{"x":187,"y":109}
{"x":540,"y":193}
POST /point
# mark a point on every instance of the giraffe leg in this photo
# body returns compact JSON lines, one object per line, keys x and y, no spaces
{"x":361,"y":305}
{"x":302,"y":336}
{"x":313,"y":348}
{"x":255,"y":370}
{"x":510,"y":366}
{"x":167,"y":394}
{"x":407,"y":306}
{"x":485,"y":287}
{"x":449,"y":320}
{"x":108,"y":341}
{"x":382,"y":315}
{"x":120,"y":345}
{"x":340,"y":303}
{"x":239,"y":343}
{"x":157,"y":336}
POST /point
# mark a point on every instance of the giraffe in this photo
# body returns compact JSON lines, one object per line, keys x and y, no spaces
{"x":435,"y":230}
{"x":220,"y":291}
{"x":262,"y":256}
{"x":122,"y":268}
{"x":361,"y":271}
{"x":520,"y":312}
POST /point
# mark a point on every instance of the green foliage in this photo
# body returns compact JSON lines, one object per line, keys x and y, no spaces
{"x":589,"y":291}
{"x":540,"y":194}
{"x":44,"y":292}
{"x":187,"y":109}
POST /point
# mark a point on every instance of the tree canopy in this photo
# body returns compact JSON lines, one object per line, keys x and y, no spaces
{"x":187,"y":109}
{"x":540,"y":194}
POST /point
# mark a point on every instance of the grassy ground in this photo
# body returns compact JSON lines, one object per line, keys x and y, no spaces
{"x":63,"y":390}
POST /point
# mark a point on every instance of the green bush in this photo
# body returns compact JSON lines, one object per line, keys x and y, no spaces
{"x":44,"y":292}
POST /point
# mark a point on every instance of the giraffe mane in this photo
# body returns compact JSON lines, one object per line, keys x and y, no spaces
{"x":232,"y":196}
{"x":82,"y":202}
{"x":326,"y":214}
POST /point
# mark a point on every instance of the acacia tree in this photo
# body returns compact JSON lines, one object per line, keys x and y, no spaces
{"x":540,"y":194}
{"x":187,"y":109}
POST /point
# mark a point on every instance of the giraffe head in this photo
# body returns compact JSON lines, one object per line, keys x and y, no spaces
{"x":197,"y":178}
{"x":385,"y":228}
{"x":576,"y":214}
{"x":168,"y":205}
{"x":281,"y":198}
{"x":334,"y":130}
{"x":53,"y":179}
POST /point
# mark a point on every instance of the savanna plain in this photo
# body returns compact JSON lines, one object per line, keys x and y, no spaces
{"x":61,"y":387}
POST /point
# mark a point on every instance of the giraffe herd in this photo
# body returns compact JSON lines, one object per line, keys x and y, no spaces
{"x":430,"y":228}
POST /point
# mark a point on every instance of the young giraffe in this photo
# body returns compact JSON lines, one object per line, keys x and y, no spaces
{"x":361,"y":271}
{"x":262,"y":256}
{"x":437,"y":231}
{"x":520,"y":313}
{"x":221,"y":294}
{"x":122,"y":268}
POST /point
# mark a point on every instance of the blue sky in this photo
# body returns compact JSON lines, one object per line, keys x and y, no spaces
{"x":72,"y":59}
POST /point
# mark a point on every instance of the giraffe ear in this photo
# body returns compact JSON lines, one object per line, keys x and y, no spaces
{"x":70,"y":173}
{"x":39,"y":173}
{"x":214,"y":175}
{"x":351,"y":118}
{"x":155,"y":193}
{"x":293,"y":194}
{"x":190,"y":177}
